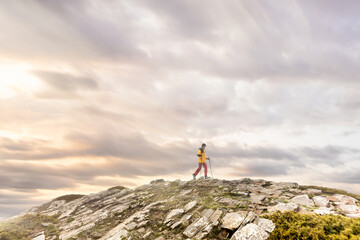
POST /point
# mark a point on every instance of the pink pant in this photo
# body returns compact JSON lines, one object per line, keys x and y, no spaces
{"x":199,"y":168}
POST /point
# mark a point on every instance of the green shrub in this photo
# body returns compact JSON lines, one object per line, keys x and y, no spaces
{"x":292,"y":225}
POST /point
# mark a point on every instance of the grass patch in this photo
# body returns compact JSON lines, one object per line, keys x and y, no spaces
{"x":69,"y":198}
{"x":26,"y":226}
{"x":116,"y":188}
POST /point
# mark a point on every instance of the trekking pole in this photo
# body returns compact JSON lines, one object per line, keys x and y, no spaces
{"x":211,"y":169}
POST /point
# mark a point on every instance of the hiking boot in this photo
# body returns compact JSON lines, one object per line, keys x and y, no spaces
{"x":194,"y":176}
{"x":206,"y":177}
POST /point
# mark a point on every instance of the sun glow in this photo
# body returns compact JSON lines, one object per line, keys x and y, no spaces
{"x":16,"y":80}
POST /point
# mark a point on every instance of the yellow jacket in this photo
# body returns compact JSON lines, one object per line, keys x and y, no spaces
{"x":202,"y":155}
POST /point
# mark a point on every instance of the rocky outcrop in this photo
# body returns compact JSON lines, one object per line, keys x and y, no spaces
{"x":201,"y":209}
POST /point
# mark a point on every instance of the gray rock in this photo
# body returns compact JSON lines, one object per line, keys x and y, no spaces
{"x":250,"y":217}
{"x":313,"y":191}
{"x":282,"y":207}
{"x":255,"y":198}
{"x":233,"y":220}
{"x":190,"y":206}
{"x":250,"y":232}
{"x":142,"y":224}
{"x":131,"y":226}
{"x":185,"y":192}
{"x":215,"y":216}
{"x":207,"y":213}
{"x":41,"y":236}
{"x":349,"y":209}
{"x":265,"y":224}
{"x":323,"y":210}
{"x":321,"y":201}
{"x":303,"y":200}
{"x":196,"y":227}
{"x":156,"y":181}
{"x":174,"y":213}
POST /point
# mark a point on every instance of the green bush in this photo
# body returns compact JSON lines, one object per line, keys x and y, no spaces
{"x":292,"y":225}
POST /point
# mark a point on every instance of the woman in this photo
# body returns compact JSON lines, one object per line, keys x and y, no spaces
{"x":202,"y":161}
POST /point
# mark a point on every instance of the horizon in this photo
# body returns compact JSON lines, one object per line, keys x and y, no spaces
{"x":99,"y":94}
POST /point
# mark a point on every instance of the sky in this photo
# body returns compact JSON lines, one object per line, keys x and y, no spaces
{"x":95,"y":94}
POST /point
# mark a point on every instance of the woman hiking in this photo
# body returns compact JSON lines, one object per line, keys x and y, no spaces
{"x":202,"y":161}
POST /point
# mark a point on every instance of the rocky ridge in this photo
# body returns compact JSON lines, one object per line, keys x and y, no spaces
{"x":201,"y":209}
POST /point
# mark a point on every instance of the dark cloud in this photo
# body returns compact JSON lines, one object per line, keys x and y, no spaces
{"x":66,"y":82}
{"x":261,"y":168}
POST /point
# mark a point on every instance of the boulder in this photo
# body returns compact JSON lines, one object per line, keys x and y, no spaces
{"x":174,"y":213}
{"x":265,"y":224}
{"x":323,"y":210}
{"x":349,"y":209}
{"x":233,"y":220}
{"x":196,"y":227}
{"x":255,"y":198}
{"x":190,"y":206}
{"x":303,"y":200}
{"x":321,"y":201}
{"x":250,"y":232}
{"x":282,"y":207}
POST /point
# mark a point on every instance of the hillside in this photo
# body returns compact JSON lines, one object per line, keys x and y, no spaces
{"x":201,"y":209}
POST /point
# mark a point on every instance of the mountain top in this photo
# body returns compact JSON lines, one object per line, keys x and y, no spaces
{"x":196,"y":209}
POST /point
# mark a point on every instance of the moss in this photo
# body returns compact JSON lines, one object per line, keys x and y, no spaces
{"x":292,"y":225}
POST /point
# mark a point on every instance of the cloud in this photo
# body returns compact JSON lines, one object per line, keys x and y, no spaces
{"x":261,"y":168}
{"x":131,"y":88}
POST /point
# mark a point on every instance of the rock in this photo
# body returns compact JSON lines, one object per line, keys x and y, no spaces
{"x":156,"y":181}
{"x":255,"y":198}
{"x":190,"y":206}
{"x":265,"y":224}
{"x":215,"y":216}
{"x":321,"y":201}
{"x":160,"y":238}
{"x":250,"y":217}
{"x":250,"y":232}
{"x":142,"y":224}
{"x":196,"y":227}
{"x":184,"y":218}
{"x":286,"y":185}
{"x":246,"y":181}
{"x":207,"y":213}
{"x":147,"y":234}
{"x":349,"y":209}
{"x":41,"y":236}
{"x":323,"y":210}
{"x":174,"y":213}
{"x":233,"y":220}
{"x":282,"y":207}
{"x":130,"y":226}
{"x":45,"y":224}
{"x":303,"y":200}
{"x":342,"y":199}
{"x":185,"y":192}
{"x":313,"y":191}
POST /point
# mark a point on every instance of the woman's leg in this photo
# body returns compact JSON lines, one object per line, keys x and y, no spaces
{"x":198,"y":170}
{"x":205,"y":166}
